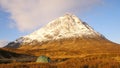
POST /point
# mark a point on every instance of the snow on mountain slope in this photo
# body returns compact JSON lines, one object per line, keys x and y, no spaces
{"x":67,"y":26}
{"x":64,"y":27}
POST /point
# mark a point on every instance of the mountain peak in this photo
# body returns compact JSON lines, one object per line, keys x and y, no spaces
{"x":69,"y":15}
{"x":66,"y":26}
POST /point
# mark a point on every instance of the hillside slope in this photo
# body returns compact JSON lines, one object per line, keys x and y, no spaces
{"x":9,"y":56}
{"x":65,"y":27}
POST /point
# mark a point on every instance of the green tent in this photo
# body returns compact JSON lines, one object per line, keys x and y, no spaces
{"x":43,"y":59}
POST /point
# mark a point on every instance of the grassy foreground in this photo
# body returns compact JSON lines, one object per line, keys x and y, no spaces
{"x":89,"y":61}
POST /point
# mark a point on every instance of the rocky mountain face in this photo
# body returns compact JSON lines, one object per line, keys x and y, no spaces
{"x":66,"y":27}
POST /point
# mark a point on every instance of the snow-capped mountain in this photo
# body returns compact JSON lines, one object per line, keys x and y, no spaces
{"x":67,"y":26}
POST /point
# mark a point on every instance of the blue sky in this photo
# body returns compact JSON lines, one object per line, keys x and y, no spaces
{"x":104,"y":17}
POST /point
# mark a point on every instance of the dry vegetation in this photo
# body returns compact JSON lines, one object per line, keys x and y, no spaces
{"x":72,"y":53}
{"x":91,"y":61}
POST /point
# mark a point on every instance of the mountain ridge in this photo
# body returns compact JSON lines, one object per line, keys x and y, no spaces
{"x":66,"y":27}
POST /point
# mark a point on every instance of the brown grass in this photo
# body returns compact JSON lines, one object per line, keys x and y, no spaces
{"x":90,"y":61}
{"x":72,"y":53}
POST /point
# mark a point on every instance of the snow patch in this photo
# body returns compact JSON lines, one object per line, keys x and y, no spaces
{"x":66,"y":26}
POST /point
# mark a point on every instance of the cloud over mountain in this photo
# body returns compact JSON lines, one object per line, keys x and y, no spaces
{"x":30,"y":14}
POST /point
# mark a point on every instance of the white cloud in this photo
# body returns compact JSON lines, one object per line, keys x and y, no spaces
{"x":30,"y":14}
{"x":3,"y":43}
